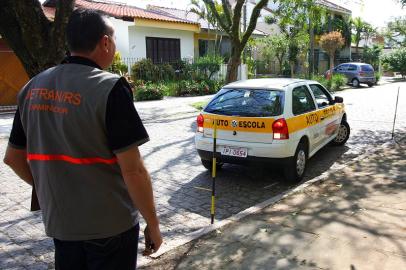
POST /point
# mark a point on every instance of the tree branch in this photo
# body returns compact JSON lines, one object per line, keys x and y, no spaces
{"x":224,"y":25}
{"x":253,"y":21}
{"x":236,"y":26}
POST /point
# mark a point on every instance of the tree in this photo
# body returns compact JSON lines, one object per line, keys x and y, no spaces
{"x":396,"y":31}
{"x":203,"y":13}
{"x":372,"y":55}
{"x":298,"y":47}
{"x":296,"y":19}
{"x":396,"y":61}
{"x":38,"y":42}
{"x":358,"y":25}
{"x":369,"y":32}
{"x":331,"y":42}
{"x":230,"y":22}
{"x":275,"y":46}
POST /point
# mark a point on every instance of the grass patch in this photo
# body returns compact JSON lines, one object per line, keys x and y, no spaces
{"x":199,"y":105}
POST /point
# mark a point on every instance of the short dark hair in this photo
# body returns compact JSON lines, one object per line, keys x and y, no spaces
{"x":85,"y":28}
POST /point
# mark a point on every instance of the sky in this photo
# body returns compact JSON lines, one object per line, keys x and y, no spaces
{"x":376,"y":12}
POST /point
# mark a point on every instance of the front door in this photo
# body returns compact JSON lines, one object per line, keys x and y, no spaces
{"x":328,"y":113}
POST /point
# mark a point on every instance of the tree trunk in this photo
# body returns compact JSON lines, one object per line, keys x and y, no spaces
{"x":232,"y":69}
{"x":292,"y":70}
{"x":280,"y":65}
{"x":232,"y":66}
{"x":37,"y":42}
{"x":331,"y":65}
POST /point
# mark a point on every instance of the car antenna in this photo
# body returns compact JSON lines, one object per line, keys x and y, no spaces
{"x":394,"y":119}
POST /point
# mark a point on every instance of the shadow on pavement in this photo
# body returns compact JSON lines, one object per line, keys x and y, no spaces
{"x":356,"y":217}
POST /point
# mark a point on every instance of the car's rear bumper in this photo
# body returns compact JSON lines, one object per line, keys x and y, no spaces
{"x":367,"y":79}
{"x":208,"y":155}
{"x":256,"y":152}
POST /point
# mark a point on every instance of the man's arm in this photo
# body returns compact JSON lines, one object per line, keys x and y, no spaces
{"x":16,"y":159}
{"x":139,"y":187}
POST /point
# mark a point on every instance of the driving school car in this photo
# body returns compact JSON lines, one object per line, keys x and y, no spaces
{"x":285,"y":121}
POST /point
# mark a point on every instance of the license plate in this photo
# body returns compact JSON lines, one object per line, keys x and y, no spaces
{"x":234,"y":151}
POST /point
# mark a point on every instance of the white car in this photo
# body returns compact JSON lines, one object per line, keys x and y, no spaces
{"x":284,"y":121}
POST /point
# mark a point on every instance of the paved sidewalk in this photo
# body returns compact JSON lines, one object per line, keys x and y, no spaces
{"x":353,"y":219}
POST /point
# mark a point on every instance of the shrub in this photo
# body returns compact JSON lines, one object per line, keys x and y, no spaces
{"x":208,"y":65}
{"x":396,"y":61}
{"x":187,"y":88}
{"x":378,"y":76}
{"x":118,"y":66}
{"x":338,"y":81}
{"x":144,"y":70}
{"x":166,"y":72}
{"x":149,"y":91}
{"x":323,"y":81}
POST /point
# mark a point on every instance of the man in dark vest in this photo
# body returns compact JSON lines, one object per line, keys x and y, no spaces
{"x":75,"y":136}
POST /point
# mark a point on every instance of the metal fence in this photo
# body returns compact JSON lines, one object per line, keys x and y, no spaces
{"x":130,"y":61}
{"x":7,"y":109}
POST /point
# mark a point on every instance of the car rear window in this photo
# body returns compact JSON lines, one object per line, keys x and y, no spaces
{"x":247,"y":102}
{"x":367,"y":68}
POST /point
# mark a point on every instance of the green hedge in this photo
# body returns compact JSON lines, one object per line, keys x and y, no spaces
{"x":149,"y":91}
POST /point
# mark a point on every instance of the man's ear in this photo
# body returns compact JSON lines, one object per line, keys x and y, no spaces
{"x":104,"y":42}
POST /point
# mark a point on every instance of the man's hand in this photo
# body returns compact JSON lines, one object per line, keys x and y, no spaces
{"x":153,"y":240}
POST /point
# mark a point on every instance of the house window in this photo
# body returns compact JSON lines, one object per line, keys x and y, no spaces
{"x":163,"y":50}
{"x":206,"y":47}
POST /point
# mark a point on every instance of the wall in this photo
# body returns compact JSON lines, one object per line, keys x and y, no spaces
{"x":122,"y":36}
{"x":137,"y":43}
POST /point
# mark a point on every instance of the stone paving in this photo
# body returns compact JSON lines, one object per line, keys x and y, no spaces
{"x":181,"y":184}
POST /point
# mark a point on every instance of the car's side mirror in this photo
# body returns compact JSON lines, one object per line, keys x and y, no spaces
{"x":338,"y":99}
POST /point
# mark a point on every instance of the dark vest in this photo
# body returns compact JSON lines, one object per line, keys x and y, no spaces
{"x":79,"y":184}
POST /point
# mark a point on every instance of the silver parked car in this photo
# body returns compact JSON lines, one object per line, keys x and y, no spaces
{"x":356,"y":73}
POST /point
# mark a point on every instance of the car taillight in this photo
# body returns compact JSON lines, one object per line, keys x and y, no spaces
{"x":280,"y":130}
{"x":200,"y":121}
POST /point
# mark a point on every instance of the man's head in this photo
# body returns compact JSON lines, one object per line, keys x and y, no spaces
{"x":91,"y":35}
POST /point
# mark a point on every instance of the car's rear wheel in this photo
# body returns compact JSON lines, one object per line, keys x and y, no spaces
{"x":208,"y":164}
{"x":342,"y":135}
{"x":355,"y":82}
{"x":296,"y":167}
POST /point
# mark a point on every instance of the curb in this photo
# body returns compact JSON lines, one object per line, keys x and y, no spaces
{"x":258,"y":207}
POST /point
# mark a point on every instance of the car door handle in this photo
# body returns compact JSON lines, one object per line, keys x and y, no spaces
{"x":322,"y":118}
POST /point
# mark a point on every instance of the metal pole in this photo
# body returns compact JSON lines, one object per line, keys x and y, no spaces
{"x":213,"y":171}
{"x":396,"y":109}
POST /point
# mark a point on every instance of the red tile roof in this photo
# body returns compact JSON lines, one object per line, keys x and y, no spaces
{"x":120,"y":11}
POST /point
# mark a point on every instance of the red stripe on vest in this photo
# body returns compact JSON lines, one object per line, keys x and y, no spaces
{"x":81,"y":161}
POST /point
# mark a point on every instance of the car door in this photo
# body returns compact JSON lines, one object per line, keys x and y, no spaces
{"x":352,"y":72}
{"x":341,"y":69}
{"x":305,"y":119}
{"x":328,"y":114}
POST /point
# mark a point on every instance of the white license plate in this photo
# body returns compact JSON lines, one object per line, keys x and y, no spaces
{"x":234,"y":151}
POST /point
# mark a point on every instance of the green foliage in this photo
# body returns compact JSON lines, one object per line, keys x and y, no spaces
{"x":378,"y":76}
{"x":147,"y":71}
{"x":144,"y":70}
{"x":149,"y":91}
{"x":396,"y":61}
{"x":117,"y":66}
{"x":342,"y":25}
{"x":208,"y":65}
{"x":194,"y":88}
{"x":372,"y":55}
{"x":274,"y":46}
{"x":334,"y":84}
{"x":396,"y":31}
{"x":338,"y":81}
